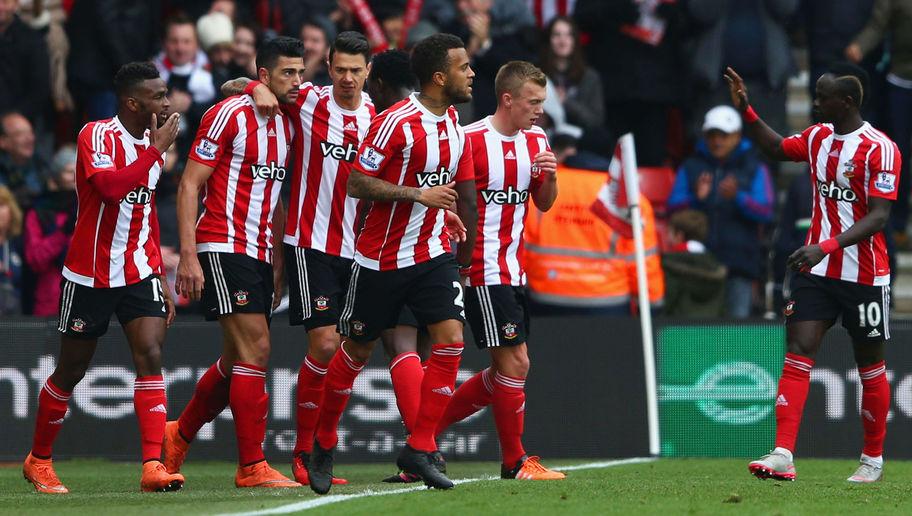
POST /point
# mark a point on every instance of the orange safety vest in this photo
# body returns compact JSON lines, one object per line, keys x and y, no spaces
{"x":571,"y":256}
{"x":654,"y":276}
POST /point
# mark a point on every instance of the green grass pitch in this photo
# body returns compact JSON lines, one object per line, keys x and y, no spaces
{"x":667,"y":486}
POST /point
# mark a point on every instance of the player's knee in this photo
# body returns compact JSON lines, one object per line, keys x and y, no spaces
{"x":801,"y":347}
{"x":323,"y":343}
{"x":521,"y":364}
{"x":66,"y":378}
{"x":147,"y":359}
{"x":257,"y":350}
{"x":358,"y":351}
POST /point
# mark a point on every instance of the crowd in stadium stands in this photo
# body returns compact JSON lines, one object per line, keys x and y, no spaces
{"x":650,"y":67}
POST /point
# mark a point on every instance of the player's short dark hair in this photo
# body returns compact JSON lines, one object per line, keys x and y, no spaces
{"x":511,"y":77}
{"x":282,"y":46}
{"x":692,"y":223}
{"x":851,"y":80}
{"x":392,"y":67}
{"x":131,"y":75}
{"x":431,"y":55}
{"x":352,"y":43}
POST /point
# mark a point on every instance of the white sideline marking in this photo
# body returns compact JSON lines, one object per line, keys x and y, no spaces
{"x":331,"y":499}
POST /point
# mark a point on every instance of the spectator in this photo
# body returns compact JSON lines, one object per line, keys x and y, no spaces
{"x":48,"y":230}
{"x":635,"y":46}
{"x":829,"y":28}
{"x":243,"y":56}
{"x":10,"y":254}
{"x":21,"y":169}
{"x":184,"y":67}
{"x":578,"y":86}
{"x":316,"y":34}
{"x":694,"y":279}
{"x":495,"y":31}
{"x":726,"y":181}
{"x":104,"y":35}
{"x":893,"y":17}
{"x":748,"y":34}
{"x":24,"y":66}
{"x":216,"y":36}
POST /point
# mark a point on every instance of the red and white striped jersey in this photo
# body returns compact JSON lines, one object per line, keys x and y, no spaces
{"x":847,"y":170}
{"x":503,"y":179}
{"x":321,"y":215}
{"x":113,"y":245}
{"x":407,"y":145}
{"x":249,"y":153}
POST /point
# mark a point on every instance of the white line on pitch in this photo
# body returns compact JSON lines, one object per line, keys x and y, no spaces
{"x":331,"y":499}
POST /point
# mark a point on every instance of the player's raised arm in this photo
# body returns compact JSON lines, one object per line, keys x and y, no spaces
{"x":768,"y":140}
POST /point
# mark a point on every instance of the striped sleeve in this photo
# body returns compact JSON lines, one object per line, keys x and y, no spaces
{"x":217,"y":128}
{"x":885,"y":165}
{"x":95,"y":148}
{"x":382,"y":141}
{"x":796,"y":146}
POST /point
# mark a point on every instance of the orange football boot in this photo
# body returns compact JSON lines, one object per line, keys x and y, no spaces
{"x":174,"y":448}
{"x":261,"y":475}
{"x":155,"y":478}
{"x":530,"y":468}
{"x":40,"y":472}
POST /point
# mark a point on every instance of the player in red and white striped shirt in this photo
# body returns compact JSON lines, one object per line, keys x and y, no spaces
{"x":411,"y":165}
{"x":843,"y":270}
{"x":228,"y":258}
{"x":513,"y":164}
{"x":113,"y":266}
{"x":320,"y":229}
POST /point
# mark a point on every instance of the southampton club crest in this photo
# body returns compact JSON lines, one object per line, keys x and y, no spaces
{"x":509,"y":330}
{"x":321,"y":303}
{"x":241,"y":298}
{"x":357,"y":327}
{"x":789,"y":308}
{"x":78,"y":325}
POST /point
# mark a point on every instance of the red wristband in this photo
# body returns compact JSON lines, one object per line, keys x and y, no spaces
{"x":750,"y":116}
{"x":248,"y":90}
{"x":829,"y":245}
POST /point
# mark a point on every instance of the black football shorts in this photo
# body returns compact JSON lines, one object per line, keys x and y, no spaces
{"x":235,"y":284}
{"x":864,"y":309}
{"x":317,"y":283}
{"x":498,"y":315}
{"x":85,"y":312}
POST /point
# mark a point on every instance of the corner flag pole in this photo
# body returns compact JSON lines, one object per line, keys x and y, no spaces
{"x":631,"y":179}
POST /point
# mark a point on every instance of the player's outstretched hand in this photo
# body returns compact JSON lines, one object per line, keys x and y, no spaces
{"x":454,"y":227}
{"x":441,"y":197}
{"x":805,"y":258}
{"x":265,"y":101}
{"x":162,"y":137}
{"x":737,"y":89}
{"x":190,"y":279}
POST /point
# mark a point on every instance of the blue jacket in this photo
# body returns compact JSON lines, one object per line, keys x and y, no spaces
{"x":735,"y":225}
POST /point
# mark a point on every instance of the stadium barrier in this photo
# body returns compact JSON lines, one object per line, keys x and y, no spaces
{"x":585,"y":395}
{"x":716,"y":386}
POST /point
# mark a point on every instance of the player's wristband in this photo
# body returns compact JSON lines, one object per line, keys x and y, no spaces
{"x":464,"y":267}
{"x":248,"y":90}
{"x":750,"y":116}
{"x":828,"y":246}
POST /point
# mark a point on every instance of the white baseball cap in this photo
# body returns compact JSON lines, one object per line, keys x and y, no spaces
{"x":722,"y":118}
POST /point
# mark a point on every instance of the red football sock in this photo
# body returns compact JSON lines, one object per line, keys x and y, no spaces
{"x":336,"y":390}
{"x":436,"y":391}
{"x":793,"y":389}
{"x":407,"y":374}
{"x":249,"y":406}
{"x":310,"y":394}
{"x":509,"y":414}
{"x":875,"y":404}
{"x":151,"y":408}
{"x":473,"y":395}
{"x":209,"y":400}
{"x":52,"y":407}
